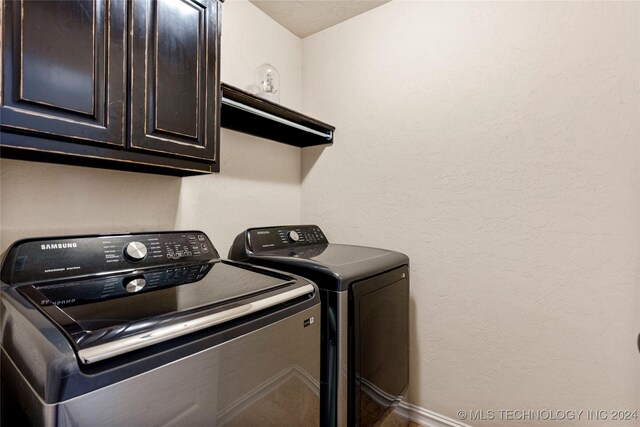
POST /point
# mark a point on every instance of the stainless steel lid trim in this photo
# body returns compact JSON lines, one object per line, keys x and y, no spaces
{"x":135,"y":342}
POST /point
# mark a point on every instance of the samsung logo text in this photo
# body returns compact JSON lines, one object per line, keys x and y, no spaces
{"x":58,"y":246}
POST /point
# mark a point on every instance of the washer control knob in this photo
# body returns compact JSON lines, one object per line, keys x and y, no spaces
{"x":134,"y":285}
{"x":135,"y":251}
{"x":293,"y":236}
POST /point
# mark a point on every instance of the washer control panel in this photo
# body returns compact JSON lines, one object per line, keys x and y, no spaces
{"x":283,"y":237}
{"x":58,"y":258}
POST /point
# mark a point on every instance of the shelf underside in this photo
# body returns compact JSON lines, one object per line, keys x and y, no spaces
{"x":244,"y":112}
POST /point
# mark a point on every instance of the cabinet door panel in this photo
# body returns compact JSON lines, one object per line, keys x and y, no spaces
{"x":48,"y":74}
{"x":175,"y":77}
{"x":63,"y":71}
{"x":178,"y":57}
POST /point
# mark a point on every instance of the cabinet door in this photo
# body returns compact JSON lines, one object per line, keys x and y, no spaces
{"x":175,"y":77}
{"x":63,"y":71}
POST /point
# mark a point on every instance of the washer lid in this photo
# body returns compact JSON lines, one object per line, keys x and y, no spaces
{"x":106,"y":316}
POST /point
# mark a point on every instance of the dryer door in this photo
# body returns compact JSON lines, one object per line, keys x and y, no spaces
{"x":379,"y":345}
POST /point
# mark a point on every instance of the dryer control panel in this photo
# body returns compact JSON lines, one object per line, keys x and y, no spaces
{"x":283,"y":237}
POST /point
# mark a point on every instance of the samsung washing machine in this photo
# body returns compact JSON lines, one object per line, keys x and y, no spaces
{"x":365,"y":316}
{"x":152,"y":329}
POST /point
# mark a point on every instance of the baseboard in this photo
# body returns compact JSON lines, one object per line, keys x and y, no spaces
{"x":425,"y":417}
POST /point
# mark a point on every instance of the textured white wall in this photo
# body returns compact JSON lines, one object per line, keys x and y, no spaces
{"x":259,"y":182}
{"x":497,"y":144}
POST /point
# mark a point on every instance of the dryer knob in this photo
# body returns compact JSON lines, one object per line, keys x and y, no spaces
{"x":135,"y":251}
{"x":293,"y":236}
{"x":134,"y":285}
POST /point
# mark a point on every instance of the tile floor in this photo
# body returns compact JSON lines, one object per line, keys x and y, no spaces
{"x":395,"y":421}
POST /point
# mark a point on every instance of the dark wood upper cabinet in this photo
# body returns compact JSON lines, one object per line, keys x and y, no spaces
{"x":122,"y":84}
{"x":63,"y":68}
{"x":174,"y":83}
